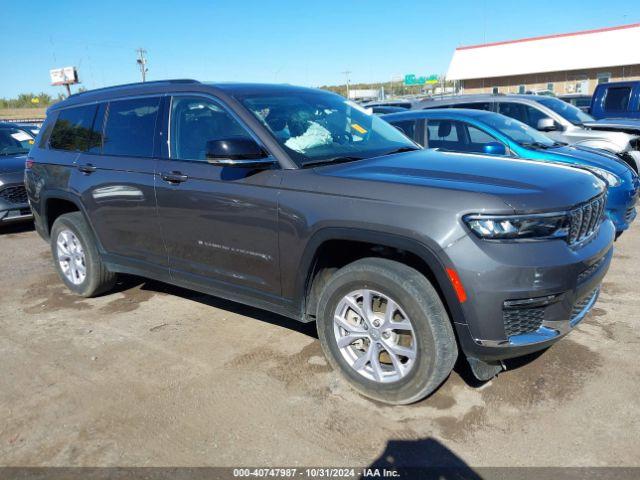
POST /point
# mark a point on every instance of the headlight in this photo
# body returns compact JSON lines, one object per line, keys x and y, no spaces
{"x":519,"y":227}
{"x":611,"y":179}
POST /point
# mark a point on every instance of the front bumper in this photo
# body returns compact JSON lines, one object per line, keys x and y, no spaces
{"x":16,"y":215}
{"x":552,"y":286}
{"x":14,"y":206}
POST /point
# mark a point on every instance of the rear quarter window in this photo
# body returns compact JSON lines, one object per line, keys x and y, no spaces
{"x":406,"y":126}
{"x":46,"y":129}
{"x":130,"y":127}
{"x":73,"y":129}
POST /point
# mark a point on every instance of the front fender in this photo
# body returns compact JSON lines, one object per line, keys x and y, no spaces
{"x":432,"y":255}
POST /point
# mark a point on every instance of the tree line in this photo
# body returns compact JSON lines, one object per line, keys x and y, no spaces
{"x":390,"y":88}
{"x":32,"y":100}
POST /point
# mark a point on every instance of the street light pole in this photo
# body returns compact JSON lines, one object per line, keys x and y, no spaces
{"x":347,"y":72}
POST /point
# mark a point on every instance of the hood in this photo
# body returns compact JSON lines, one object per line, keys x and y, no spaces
{"x":522,"y":184}
{"x":628,"y":125}
{"x":12,"y":164}
{"x":599,"y":138}
{"x":593,"y":157}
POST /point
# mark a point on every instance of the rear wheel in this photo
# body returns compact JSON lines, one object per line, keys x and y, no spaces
{"x":76,"y":257}
{"x":384,"y":327}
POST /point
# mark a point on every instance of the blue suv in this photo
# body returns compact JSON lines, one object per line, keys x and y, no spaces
{"x":487,"y":133}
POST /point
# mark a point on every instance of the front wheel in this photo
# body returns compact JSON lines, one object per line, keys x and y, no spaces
{"x":383,"y":326}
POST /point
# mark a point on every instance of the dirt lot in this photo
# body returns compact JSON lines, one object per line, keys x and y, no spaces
{"x":152,"y":375}
{"x":14,"y":113}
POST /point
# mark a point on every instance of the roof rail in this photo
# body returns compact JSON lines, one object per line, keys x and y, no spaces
{"x":124,"y":85}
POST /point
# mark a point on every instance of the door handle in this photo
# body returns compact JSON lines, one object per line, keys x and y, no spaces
{"x":174,"y":177}
{"x":87,"y":168}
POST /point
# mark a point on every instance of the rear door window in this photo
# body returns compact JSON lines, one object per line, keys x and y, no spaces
{"x":474,"y":106}
{"x":72,"y":130}
{"x":130,"y":127}
{"x":95,"y":141}
{"x":617,"y":99}
{"x":443,"y":134}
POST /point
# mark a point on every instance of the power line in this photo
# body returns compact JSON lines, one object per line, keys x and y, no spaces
{"x":142,"y":63}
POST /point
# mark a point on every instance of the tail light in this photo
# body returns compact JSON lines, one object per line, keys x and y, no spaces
{"x":29,"y":163}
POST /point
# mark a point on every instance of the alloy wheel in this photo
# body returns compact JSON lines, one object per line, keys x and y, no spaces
{"x":375,"y":336}
{"x":71,"y":257}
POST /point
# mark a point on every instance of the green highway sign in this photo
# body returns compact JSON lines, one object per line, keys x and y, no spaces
{"x":411,"y":79}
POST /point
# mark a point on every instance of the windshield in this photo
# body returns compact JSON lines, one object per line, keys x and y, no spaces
{"x":517,"y":131}
{"x":565,"y":110}
{"x":14,"y":141}
{"x":315,"y":127}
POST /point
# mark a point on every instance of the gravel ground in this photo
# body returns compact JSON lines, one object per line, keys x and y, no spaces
{"x":153,"y":375}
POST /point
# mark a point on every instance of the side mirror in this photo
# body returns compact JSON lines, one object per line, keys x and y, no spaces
{"x":494,"y":148}
{"x":237,"y":152}
{"x":546,"y":125}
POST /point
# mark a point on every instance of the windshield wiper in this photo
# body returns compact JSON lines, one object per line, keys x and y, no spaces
{"x":352,"y":158}
{"x":401,"y":150}
{"x":13,"y":154}
{"x":328,"y":161}
{"x":541,"y":145}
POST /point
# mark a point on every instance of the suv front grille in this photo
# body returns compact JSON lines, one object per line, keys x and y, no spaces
{"x":522,"y":320}
{"x":585,"y":219}
{"x":16,"y":195}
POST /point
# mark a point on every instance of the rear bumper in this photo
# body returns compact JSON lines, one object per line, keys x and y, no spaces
{"x":523,"y":298}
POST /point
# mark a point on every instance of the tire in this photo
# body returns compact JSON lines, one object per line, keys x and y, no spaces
{"x":71,"y":230}
{"x":432,"y":341}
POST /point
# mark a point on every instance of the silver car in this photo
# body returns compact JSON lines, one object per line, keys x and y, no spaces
{"x":559,"y":120}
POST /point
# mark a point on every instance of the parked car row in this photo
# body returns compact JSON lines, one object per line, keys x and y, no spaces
{"x":15,"y":143}
{"x":300,"y":202}
{"x":555,"y":118}
{"x":482,"y":132}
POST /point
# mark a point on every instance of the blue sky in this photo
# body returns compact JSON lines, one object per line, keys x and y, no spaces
{"x":299,"y":42}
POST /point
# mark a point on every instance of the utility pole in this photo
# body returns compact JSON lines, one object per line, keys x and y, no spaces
{"x":347,"y":73}
{"x":142,"y":63}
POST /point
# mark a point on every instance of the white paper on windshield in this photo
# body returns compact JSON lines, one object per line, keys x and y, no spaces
{"x":21,"y":136}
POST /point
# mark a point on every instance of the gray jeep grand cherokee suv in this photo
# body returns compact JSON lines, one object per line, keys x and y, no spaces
{"x":300,"y":202}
